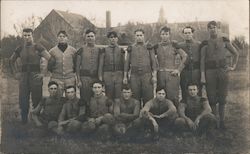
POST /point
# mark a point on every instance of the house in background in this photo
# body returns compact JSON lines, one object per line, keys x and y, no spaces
{"x":73,"y":24}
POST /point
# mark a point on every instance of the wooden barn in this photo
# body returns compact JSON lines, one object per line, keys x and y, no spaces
{"x":73,"y":24}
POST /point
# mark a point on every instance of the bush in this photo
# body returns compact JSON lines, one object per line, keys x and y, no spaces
{"x":9,"y":44}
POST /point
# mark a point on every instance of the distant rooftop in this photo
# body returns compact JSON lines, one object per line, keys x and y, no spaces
{"x":75,"y":20}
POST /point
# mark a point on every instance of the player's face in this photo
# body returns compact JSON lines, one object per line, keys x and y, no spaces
{"x":113,"y":40}
{"x":160,"y":95}
{"x":126,"y":94}
{"x":165,"y":36}
{"x":97,"y":88}
{"x":213,"y":30}
{"x":53,"y":90}
{"x":192,"y":90}
{"x":188,"y":34}
{"x":28,"y":37}
{"x":139,"y":37}
{"x":90,"y":38}
{"x":62,"y":38}
{"x":70,"y":93}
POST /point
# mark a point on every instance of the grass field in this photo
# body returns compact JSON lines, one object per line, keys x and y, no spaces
{"x":17,"y":138}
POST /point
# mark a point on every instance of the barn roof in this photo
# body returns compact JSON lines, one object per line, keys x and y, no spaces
{"x":75,"y":20}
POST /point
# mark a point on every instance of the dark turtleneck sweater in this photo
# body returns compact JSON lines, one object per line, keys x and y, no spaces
{"x":62,"y":46}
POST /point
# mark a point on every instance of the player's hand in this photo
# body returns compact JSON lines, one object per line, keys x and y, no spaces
{"x":196,"y":123}
{"x":38,"y":76}
{"x":100,"y":78}
{"x":175,"y":72}
{"x":125,"y":80}
{"x":17,"y":75}
{"x":157,"y":116}
{"x":36,"y":120}
{"x":203,"y":78}
{"x":230,"y":68}
{"x":144,"y":114}
{"x":161,"y":116}
{"x":154,"y":80}
{"x":156,"y":127}
{"x":191,"y":124}
{"x":155,"y":124}
{"x":79,"y":84}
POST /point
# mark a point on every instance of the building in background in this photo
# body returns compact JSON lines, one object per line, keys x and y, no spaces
{"x":76,"y":24}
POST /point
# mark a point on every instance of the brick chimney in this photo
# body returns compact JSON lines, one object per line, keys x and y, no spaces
{"x":108,"y":19}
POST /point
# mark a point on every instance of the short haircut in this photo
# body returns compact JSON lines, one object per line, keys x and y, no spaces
{"x":192,"y":84}
{"x":212,"y":23}
{"x":89,"y":31}
{"x":112,"y":33}
{"x":126,"y":87}
{"x":62,"y":32}
{"x":28,"y":30}
{"x":52,"y":83}
{"x":99,"y":82}
{"x":165,"y":29}
{"x":139,"y":30}
{"x":159,"y":88}
{"x":188,"y":27}
{"x":68,"y":87}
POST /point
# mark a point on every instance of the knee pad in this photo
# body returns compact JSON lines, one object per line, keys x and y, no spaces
{"x":108,"y":119}
{"x":119,"y":129}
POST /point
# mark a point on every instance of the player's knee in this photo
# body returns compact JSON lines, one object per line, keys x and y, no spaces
{"x":108,"y":119}
{"x":209,"y":116}
{"x":88,"y":127}
{"x":209,"y":119}
{"x":74,"y":126}
{"x":180,"y":123}
{"x":173,"y":116}
{"x":52,"y":125}
{"x":59,"y":130}
{"x":104,"y":128}
{"x":137,"y":122}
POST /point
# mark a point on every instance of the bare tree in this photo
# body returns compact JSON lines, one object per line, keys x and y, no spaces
{"x":30,"y":22}
{"x":240,"y":42}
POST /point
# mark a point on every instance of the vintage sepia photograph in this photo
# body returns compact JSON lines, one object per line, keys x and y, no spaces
{"x":124,"y":77}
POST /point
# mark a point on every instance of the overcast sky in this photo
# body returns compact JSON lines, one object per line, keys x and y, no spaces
{"x":235,"y":13}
